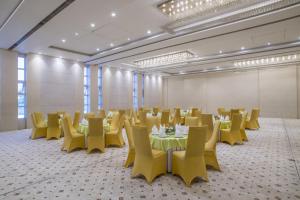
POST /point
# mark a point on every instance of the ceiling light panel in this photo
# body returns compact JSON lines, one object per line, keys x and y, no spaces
{"x":268,"y":60}
{"x":165,"y":59}
{"x":184,"y":8}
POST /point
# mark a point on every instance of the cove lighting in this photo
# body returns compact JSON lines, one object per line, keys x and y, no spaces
{"x":165,"y":59}
{"x":268,"y":60}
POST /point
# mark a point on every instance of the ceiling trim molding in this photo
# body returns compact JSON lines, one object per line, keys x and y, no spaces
{"x":70,"y":50}
{"x":11,"y":14}
{"x":42,"y":23}
{"x":183,"y":43}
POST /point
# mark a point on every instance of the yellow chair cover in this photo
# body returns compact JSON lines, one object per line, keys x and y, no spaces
{"x":115,"y":137}
{"x":89,"y":114}
{"x":150,"y":122}
{"x":190,"y":164}
{"x":164,"y":121}
{"x":191,"y":121}
{"x":177,"y":117}
{"x":252,"y":123}
{"x":53,"y":130}
{"x":207,"y":119}
{"x":148,"y":162}
{"x":72,"y":139}
{"x":131,"y":149}
{"x":101,"y":113}
{"x":243,"y":127}
{"x":233,"y":135}
{"x":155,"y":110}
{"x":194,"y":111}
{"x":95,"y":137}
{"x":234,"y":111}
{"x":210,"y":153}
{"x":76,"y":120}
{"x":39,"y":128}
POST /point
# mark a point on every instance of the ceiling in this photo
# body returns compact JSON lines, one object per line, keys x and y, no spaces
{"x":120,"y":40}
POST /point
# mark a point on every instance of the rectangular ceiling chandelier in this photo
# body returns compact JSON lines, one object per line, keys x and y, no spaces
{"x":184,"y":8}
{"x":165,"y":59}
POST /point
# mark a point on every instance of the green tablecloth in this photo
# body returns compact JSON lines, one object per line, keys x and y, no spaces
{"x":225,"y":124}
{"x":83,"y":128}
{"x":170,"y":142}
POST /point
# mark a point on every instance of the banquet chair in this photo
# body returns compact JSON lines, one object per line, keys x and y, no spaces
{"x":76,"y":120}
{"x":210,"y":152}
{"x":95,"y":136}
{"x":61,"y":113}
{"x":88,"y":115}
{"x":194,"y":111}
{"x":101,"y":113}
{"x":131,"y":149}
{"x":150,"y":122}
{"x":148,"y":162}
{"x":53,"y":130}
{"x":234,"y":111}
{"x":233,"y":134}
{"x":191,"y":121}
{"x":177,"y":117}
{"x":142,"y":117}
{"x":39,"y":128}
{"x":72,"y":139}
{"x":190,"y":163}
{"x":115,"y":137}
{"x":221,"y":111}
{"x":207,"y":119}
{"x":243,"y":126}
{"x":135,"y":119}
{"x":115,"y":121}
{"x":165,"y":116}
{"x":252,"y":123}
{"x":155,"y":110}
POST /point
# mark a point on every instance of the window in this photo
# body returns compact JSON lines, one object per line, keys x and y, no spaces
{"x":135,"y":91}
{"x":143,"y":89}
{"x":100,"y":90}
{"x":21,"y":87}
{"x":86,"y":85}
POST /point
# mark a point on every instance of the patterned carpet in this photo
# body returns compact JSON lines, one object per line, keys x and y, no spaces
{"x":263,"y":168}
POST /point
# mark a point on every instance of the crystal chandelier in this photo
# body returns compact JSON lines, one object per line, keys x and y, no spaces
{"x":165,"y":59}
{"x":268,"y":60}
{"x":184,"y":8}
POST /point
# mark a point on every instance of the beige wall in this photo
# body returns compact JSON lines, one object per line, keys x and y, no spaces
{"x":274,"y":90}
{"x":153,"y":91}
{"x":8,"y":90}
{"x":117,"y":88}
{"x":53,"y":84}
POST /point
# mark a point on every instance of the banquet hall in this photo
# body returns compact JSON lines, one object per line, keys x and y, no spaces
{"x":150,"y":99}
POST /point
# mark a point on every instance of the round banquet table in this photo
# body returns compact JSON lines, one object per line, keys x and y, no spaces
{"x":225,"y":124}
{"x":168,"y":144}
{"x":84,"y":128}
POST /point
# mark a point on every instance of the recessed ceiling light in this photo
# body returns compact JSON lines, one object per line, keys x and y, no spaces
{"x":63,"y":40}
{"x":98,"y":49}
{"x":111,"y":44}
{"x":268,"y":43}
{"x":242,"y":48}
{"x":220,"y":51}
{"x":149,"y":32}
{"x":113,"y":14}
{"x":76,"y":34}
{"x":128,"y":39}
{"x":92,"y":25}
